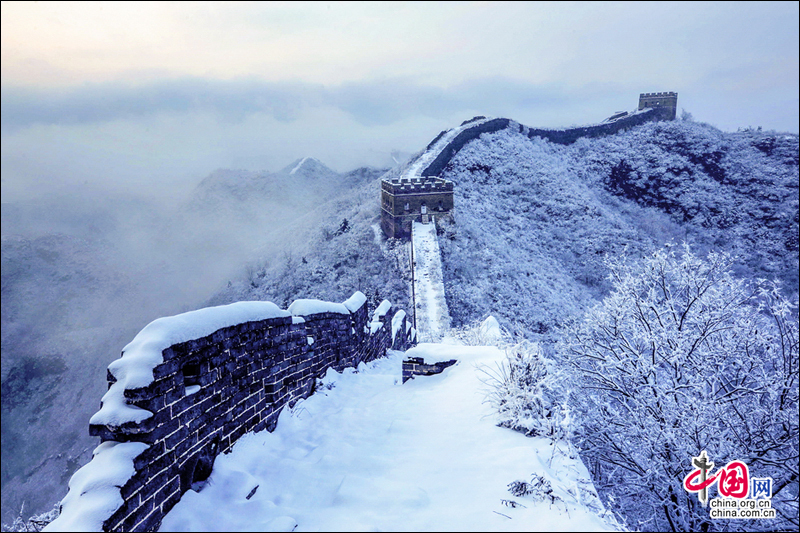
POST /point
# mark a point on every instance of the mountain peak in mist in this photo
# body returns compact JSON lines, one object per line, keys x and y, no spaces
{"x":309,"y":167}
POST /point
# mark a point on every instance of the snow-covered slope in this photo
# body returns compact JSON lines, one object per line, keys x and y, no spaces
{"x":310,"y":168}
{"x":247,"y":192}
{"x":63,"y":322}
{"x":335,"y":251}
{"x":366,"y":453}
{"x":534,"y":221}
{"x":272,"y":214}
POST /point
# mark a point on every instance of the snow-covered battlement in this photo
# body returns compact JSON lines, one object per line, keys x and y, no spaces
{"x":419,"y":192}
{"x":416,"y":185}
{"x":188,"y":386}
{"x":668,"y":101}
{"x":650,"y":95}
{"x":440,"y":145}
{"x":406,"y":200}
{"x":144,"y":353}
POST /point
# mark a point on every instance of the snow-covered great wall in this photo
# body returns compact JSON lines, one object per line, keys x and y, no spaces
{"x":188,"y":386}
{"x":431,"y":314}
{"x":447,"y":144}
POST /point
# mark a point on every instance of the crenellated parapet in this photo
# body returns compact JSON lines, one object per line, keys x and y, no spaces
{"x":470,"y":129}
{"x":423,"y":184}
{"x":189,"y":386}
{"x":405,"y":200}
{"x":665,"y":100}
{"x":630,"y":120}
{"x":659,"y":95}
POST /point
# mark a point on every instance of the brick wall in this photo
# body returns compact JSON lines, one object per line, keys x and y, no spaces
{"x":569,"y":136}
{"x":444,"y":157}
{"x":667,"y":100}
{"x":210,"y":391}
{"x":565,"y":136}
{"x":434,"y":193}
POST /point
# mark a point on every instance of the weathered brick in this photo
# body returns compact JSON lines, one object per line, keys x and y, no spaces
{"x":261,"y":425}
{"x":156,"y":478}
{"x":175,"y":438}
{"x":151,"y":521}
{"x":114,"y":522}
{"x":139,"y":513}
{"x":129,"y":489}
{"x":170,"y":485}
{"x":170,"y":501}
{"x":178,"y":408}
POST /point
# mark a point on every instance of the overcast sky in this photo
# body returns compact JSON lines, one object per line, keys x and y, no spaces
{"x":142,"y":95}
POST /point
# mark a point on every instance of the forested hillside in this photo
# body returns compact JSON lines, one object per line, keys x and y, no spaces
{"x":344,"y":253}
{"x":534,"y":221}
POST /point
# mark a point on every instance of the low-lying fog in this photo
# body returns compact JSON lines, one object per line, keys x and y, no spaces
{"x":86,"y":265}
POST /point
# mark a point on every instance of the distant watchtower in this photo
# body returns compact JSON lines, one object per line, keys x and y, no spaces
{"x":666,"y":101}
{"x":404,"y":200}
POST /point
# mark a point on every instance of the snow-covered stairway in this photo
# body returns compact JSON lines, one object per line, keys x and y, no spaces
{"x":430,"y":307}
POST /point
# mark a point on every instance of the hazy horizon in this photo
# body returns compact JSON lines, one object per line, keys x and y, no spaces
{"x":157,"y":96}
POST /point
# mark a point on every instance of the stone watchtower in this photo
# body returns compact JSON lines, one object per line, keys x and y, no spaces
{"x":404,"y":200}
{"x":667,"y":103}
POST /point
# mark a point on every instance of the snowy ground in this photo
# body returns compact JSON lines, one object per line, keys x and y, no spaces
{"x":433,"y":317}
{"x":370,"y":454}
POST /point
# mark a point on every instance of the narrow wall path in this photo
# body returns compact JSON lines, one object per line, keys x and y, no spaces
{"x":422,"y":163}
{"x":430,"y":306}
{"x":366,"y":453}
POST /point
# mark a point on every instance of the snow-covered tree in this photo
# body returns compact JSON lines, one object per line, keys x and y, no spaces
{"x":682,"y":357}
{"x":522,"y":390}
{"x":534,"y":220}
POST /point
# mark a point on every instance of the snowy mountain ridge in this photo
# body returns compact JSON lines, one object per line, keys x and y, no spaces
{"x":534,"y":221}
{"x":310,"y":167}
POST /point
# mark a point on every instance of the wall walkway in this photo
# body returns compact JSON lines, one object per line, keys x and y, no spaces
{"x":431,"y":312}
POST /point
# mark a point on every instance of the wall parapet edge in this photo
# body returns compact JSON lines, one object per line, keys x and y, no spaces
{"x":204,"y":394}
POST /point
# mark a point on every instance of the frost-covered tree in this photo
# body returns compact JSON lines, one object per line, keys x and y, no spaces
{"x":682,"y":357}
{"x":522,"y":390}
{"x":35,"y":523}
{"x":534,"y":220}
